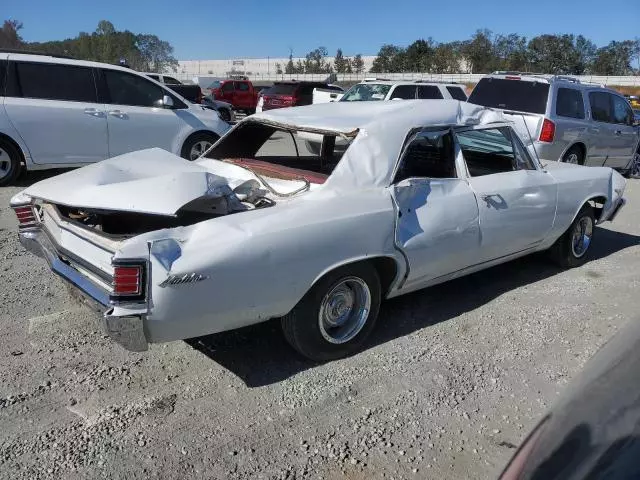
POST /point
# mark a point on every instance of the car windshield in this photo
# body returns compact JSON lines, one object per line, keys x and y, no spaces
{"x":518,"y":95}
{"x":364,"y":92}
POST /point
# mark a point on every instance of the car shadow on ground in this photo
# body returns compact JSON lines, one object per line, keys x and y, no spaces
{"x":260,"y":356}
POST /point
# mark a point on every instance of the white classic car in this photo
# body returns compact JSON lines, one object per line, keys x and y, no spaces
{"x":426,"y":191}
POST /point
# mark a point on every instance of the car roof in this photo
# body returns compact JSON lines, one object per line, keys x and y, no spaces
{"x":409,"y":82}
{"x":26,"y":57}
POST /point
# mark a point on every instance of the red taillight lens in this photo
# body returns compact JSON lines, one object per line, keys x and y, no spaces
{"x":127,"y":280}
{"x":26,"y":215}
{"x":548,"y":131}
{"x":511,"y":77}
{"x":288,"y":100}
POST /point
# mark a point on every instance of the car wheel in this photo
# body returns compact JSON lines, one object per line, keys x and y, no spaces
{"x":572,"y":248}
{"x":574,"y":155}
{"x":634,"y":169}
{"x":197,"y":144}
{"x":9,"y":162}
{"x":336,"y":315}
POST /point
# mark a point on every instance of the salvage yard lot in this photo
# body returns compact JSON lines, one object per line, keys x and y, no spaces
{"x":451,"y":381}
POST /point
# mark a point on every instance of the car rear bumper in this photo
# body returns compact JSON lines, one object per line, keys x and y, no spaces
{"x":128,"y":331}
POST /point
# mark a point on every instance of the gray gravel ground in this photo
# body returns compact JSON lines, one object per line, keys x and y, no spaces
{"x":450,"y":383}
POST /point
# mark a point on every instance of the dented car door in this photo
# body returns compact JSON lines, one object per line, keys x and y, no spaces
{"x":437,"y":225}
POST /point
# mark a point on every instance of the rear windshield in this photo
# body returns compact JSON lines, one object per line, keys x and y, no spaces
{"x":364,"y":92}
{"x":283,"y":89}
{"x":518,"y":95}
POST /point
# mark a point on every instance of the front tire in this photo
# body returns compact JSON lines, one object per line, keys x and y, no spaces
{"x":336,"y":315}
{"x":10,"y":165}
{"x":572,"y":248}
{"x":197,"y":144}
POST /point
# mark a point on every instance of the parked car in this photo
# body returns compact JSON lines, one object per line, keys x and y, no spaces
{"x":592,"y":430}
{"x":328,"y":94}
{"x":57,"y":112}
{"x":372,"y":89}
{"x":193,"y":93}
{"x":239,"y":93}
{"x":172,"y":249}
{"x":289,"y":94}
{"x":376,"y":89}
{"x":568,"y":120}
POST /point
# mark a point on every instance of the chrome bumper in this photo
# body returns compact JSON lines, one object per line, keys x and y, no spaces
{"x":128,"y":331}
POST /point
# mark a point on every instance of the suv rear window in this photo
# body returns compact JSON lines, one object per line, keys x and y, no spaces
{"x":283,"y":89}
{"x":457,"y":93}
{"x":518,"y":95}
{"x":51,"y":81}
{"x":569,"y":103}
{"x":404,"y":92}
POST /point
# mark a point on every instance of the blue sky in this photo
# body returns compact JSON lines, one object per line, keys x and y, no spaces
{"x":251,"y":28}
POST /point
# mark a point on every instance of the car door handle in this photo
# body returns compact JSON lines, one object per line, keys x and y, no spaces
{"x":117,"y":113}
{"x":94,"y":112}
{"x":489,"y":196}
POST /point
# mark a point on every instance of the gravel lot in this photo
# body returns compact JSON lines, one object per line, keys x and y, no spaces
{"x":452,"y":380}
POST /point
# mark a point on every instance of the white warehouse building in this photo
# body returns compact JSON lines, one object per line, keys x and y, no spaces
{"x":251,"y":67}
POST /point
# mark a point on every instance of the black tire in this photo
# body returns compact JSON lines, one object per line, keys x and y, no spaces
{"x":302,"y":326}
{"x":194,"y":139}
{"x":10,"y":162}
{"x":574,"y":155}
{"x":563,"y":251}
{"x":225,"y":114}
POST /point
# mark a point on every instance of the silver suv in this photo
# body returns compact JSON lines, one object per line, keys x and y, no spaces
{"x":567,"y":120}
{"x":382,"y":89}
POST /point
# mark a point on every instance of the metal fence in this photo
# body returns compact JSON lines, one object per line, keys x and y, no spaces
{"x":625,"y":81}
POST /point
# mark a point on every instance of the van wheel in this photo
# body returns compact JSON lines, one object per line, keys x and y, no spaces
{"x":9,"y":162}
{"x":336,"y":315}
{"x":572,"y":248}
{"x":574,"y":155}
{"x":197,"y":144}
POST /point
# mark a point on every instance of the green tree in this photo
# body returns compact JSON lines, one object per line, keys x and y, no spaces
{"x":555,"y":54}
{"x":479,"y":52}
{"x":339,"y":62}
{"x":290,"y":67}
{"x":278,"y":69}
{"x":358,"y":64}
{"x":419,"y":56}
{"x":510,"y":53}
{"x":390,"y":59}
{"x":614,"y":59}
{"x":9,"y":34}
{"x":446,"y":58}
{"x":586,"y":53}
{"x":156,"y":54}
{"x":315,"y":61}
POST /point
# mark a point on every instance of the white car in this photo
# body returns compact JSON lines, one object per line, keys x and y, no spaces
{"x":424,"y":193}
{"x":57,"y":112}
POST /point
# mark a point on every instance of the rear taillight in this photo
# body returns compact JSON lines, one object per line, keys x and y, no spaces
{"x":548,"y":131}
{"x":288,"y":100}
{"x":26,"y":215}
{"x":511,"y":77}
{"x":128,"y":281}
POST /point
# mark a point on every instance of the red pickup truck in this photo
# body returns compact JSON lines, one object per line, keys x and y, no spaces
{"x":239,"y":93}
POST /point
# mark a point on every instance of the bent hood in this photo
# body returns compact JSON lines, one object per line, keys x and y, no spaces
{"x":151,"y":181}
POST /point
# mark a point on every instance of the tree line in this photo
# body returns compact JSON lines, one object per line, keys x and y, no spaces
{"x":486,"y":52}
{"x":142,"y":52}
{"x":316,"y":62}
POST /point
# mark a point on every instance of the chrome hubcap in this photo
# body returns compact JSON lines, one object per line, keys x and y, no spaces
{"x":199,"y":148}
{"x":573,"y":158}
{"x":344,"y":310}
{"x":581,"y":238}
{"x":5,"y":163}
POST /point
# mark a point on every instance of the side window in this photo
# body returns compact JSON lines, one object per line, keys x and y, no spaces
{"x":621,"y":111}
{"x":3,"y":76}
{"x":600,"y":106}
{"x":569,"y":103}
{"x":155,"y":77}
{"x":52,"y":81}
{"x":127,"y":89}
{"x":227,"y":87}
{"x":429,"y":92}
{"x":487,"y":151}
{"x":457,"y":93}
{"x":242,"y":86}
{"x":523,"y":159}
{"x":335,"y":88}
{"x":405,"y":92}
{"x":171,"y":80}
{"x":429,"y":154}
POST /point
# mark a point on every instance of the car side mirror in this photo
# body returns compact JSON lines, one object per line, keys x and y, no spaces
{"x":167,"y":101}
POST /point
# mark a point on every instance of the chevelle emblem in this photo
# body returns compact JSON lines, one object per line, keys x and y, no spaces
{"x":180,"y":279}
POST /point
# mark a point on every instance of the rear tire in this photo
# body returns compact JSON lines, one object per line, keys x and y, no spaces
{"x":572,"y":248}
{"x":574,"y":155}
{"x":225,"y":114}
{"x":336,"y":315}
{"x":197,"y":144}
{"x":10,"y":162}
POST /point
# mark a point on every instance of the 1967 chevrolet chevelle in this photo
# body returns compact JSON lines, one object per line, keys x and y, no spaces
{"x":418,"y":193}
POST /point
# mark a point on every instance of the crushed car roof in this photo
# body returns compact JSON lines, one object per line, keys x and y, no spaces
{"x":379,"y":128}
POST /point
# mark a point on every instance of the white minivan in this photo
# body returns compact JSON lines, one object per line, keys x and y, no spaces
{"x":57,"y":112}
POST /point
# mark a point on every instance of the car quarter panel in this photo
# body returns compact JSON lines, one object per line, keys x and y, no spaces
{"x":259,"y":264}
